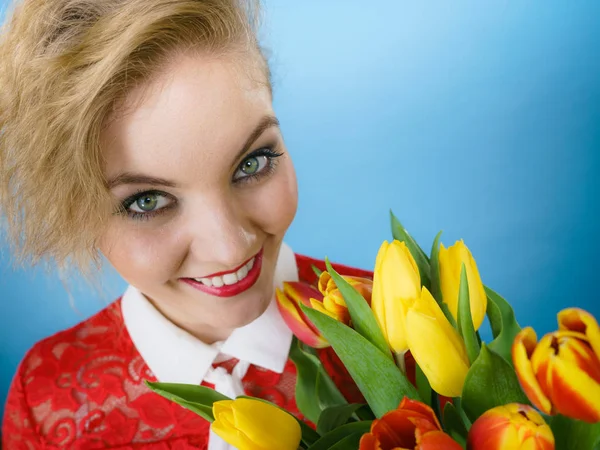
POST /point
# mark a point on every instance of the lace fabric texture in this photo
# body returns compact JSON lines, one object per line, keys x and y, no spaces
{"x":84,"y":388}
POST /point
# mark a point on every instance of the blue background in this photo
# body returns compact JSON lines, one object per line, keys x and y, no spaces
{"x":480,"y":118}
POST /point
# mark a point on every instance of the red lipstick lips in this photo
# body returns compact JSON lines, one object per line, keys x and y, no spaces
{"x":233,"y":289}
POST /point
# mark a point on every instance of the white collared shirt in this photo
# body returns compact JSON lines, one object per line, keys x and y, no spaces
{"x":175,"y":356}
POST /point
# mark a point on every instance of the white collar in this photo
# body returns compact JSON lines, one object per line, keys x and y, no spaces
{"x":175,"y":356}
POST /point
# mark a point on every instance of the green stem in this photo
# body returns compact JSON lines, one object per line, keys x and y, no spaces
{"x":458,"y":404}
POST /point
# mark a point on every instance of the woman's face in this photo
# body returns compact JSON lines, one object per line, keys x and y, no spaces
{"x":207,"y":189}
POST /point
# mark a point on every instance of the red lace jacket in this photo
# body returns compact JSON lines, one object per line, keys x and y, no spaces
{"x":83,"y":388}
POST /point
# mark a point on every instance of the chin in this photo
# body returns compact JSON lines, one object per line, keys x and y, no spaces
{"x":253,"y":304}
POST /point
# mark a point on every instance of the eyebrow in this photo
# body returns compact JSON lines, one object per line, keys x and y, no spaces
{"x":137,"y":178}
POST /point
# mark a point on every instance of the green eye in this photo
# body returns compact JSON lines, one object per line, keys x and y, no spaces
{"x":250,"y":166}
{"x":257,"y":164}
{"x":147,"y":202}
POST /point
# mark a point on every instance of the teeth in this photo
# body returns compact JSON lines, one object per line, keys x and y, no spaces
{"x":241,"y":274}
{"x":206,"y":281}
{"x":229,"y":278}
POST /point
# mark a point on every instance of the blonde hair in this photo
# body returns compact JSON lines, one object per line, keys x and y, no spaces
{"x":64,"y":66}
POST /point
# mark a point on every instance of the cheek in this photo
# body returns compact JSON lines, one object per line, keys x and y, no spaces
{"x":274,"y":205}
{"x":138,"y":255}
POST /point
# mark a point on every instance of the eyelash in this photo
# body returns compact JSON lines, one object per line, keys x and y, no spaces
{"x":270,"y":153}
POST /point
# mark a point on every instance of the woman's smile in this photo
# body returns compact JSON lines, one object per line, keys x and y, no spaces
{"x":230,"y":283}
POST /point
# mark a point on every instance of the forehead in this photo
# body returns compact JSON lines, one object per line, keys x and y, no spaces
{"x":198,"y":108}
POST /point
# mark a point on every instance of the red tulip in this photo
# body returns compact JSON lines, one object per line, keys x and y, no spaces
{"x":561,"y":373}
{"x":288,"y":301}
{"x":512,"y":426}
{"x":412,"y":426}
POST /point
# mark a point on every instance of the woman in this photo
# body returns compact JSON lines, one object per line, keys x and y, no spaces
{"x":143,"y":131}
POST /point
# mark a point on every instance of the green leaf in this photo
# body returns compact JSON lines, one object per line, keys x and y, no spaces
{"x":457,"y":401}
{"x":198,"y":399}
{"x":495,"y":317}
{"x":454,"y":425}
{"x":335,"y":416}
{"x":434,"y":266}
{"x":436,"y":284}
{"x":572,"y":434}
{"x":335,"y":436}
{"x":490,"y":382}
{"x":366,"y":364}
{"x":365,"y":413}
{"x":349,"y":442}
{"x":316,"y":270}
{"x":310,"y":394}
{"x":363,"y":319}
{"x":504,"y":325}
{"x":465,"y":321}
{"x":328,"y":394}
{"x":423,"y":385}
{"x":309,"y":436}
{"x":400,"y":234}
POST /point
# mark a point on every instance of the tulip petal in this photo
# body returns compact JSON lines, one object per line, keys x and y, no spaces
{"x":436,"y":346}
{"x":572,"y":391}
{"x":579,"y":353}
{"x":324,"y":280}
{"x":450,"y":263}
{"x":522,"y":349}
{"x":377,"y":300}
{"x":401,"y":274}
{"x":297,"y":321}
{"x":492,"y":433}
{"x":301,"y":292}
{"x":576,"y":319}
{"x":395,"y":429}
{"x":369,"y":442}
{"x":386,"y":307}
{"x":436,"y":440}
{"x":265,"y":425}
{"x":513,"y":426}
{"x":331,"y":312}
{"x":422,"y":408}
{"x":477,"y":293}
{"x":396,"y":282}
{"x":225,"y":426}
{"x":449,"y":280}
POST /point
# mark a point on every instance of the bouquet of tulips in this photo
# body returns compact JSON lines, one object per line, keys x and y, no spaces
{"x":514,"y":392}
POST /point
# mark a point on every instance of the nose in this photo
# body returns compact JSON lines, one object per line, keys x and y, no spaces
{"x":221,"y":235}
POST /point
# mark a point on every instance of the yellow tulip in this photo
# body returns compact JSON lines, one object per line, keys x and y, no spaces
{"x":436,"y":346}
{"x":249,"y":424}
{"x":451,"y":261}
{"x":396,"y":282}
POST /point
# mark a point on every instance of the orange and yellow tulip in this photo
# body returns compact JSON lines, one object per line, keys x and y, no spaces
{"x":451,"y":261}
{"x":250,"y":424}
{"x":561,"y":373}
{"x":295,"y":293}
{"x":514,"y":426}
{"x":412,"y":426}
{"x":333,"y":303}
